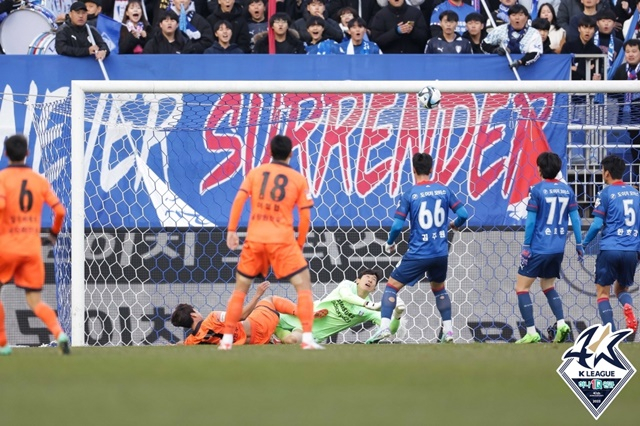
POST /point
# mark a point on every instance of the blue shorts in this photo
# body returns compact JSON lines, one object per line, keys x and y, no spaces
{"x":410,"y":271}
{"x":616,"y":265}
{"x":542,"y":266}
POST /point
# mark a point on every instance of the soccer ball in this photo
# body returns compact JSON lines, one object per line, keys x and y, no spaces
{"x":429,"y":97}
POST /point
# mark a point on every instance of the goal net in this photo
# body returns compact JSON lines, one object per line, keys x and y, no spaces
{"x":149,"y":171}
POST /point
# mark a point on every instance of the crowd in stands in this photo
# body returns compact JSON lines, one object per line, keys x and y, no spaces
{"x":525,"y":27}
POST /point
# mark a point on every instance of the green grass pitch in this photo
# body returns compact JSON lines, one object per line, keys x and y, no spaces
{"x":465,"y":384}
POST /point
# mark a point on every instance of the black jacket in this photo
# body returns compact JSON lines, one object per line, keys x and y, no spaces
{"x":72,"y":40}
{"x":384,"y":29}
{"x":217,"y":48}
{"x":578,"y":47}
{"x":159,"y":44}
{"x":292,"y":44}
{"x":128,"y":42}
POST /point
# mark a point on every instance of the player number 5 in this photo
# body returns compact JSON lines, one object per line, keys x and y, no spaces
{"x":629,"y":213}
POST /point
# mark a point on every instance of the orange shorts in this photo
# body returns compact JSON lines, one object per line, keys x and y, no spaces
{"x":27,"y":271}
{"x":263,"y":320}
{"x":285,"y":259}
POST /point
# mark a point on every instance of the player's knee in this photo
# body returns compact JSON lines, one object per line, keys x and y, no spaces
{"x":436,"y":286}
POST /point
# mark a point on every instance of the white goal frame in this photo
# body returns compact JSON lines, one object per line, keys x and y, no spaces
{"x":80,"y":88}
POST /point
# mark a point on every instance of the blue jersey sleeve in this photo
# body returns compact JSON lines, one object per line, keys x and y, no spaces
{"x":404,"y":206}
{"x":532,"y":204}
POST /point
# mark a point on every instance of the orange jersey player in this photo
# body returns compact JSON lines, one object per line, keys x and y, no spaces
{"x":22,"y":195}
{"x":275,"y":190}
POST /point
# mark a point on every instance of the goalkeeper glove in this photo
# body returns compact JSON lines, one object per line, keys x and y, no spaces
{"x":525,"y":255}
{"x":389,"y":248}
{"x":374,"y":306}
{"x":580,"y":252}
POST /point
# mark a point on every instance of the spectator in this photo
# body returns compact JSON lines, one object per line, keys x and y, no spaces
{"x":72,"y":39}
{"x":192,"y":24}
{"x":501,"y":14}
{"x":399,"y":28}
{"x":223,"y":33}
{"x":605,"y":37}
{"x":169,"y":39}
{"x":475,"y":31}
{"x":459,"y":7}
{"x":543,"y":26}
{"x":287,"y":40}
{"x":515,"y":37}
{"x":584,"y":68}
{"x":570,"y":8}
{"x":629,"y":103}
{"x":256,"y":19}
{"x":357,"y":44}
{"x":293,"y":8}
{"x":624,"y":12}
{"x":366,"y":9}
{"x":319,"y":44}
{"x":590,"y":9}
{"x":94,"y":8}
{"x":135,"y":29}
{"x":449,"y":41}
{"x":317,"y":8}
{"x":557,"y":34}
{"x":154,"y":8}
{"x":344,"y":16}
{"x":229,"y":10}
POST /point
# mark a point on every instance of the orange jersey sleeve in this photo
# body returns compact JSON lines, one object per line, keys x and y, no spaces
{"x":211,"y":329}
{"x":23,"y":193}
{"x":275,"y":190}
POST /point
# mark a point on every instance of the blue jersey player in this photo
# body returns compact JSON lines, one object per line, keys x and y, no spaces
{"x":426,"y":205}
{"x":551,"y":204}
{"x":616,"y":212}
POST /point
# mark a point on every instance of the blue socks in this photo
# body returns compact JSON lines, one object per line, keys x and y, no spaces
{"x":554,"y":302}
{"x":389,"y":299}
{"x":526,"y":307}
{"x":443,"y":303}
{"x":606,"y":313}
{"x":625,"y":298}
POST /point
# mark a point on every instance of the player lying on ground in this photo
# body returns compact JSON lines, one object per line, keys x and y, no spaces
{"x":347,"y":305}
{"x":257,"y":322}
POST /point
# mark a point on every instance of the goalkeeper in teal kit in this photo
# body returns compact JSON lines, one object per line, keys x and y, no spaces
{"x":348,"y":305}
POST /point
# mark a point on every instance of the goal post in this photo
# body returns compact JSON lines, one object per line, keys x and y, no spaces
{"x":136,"y":145}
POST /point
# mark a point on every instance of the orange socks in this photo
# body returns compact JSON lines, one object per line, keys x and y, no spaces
{"x":3,"y":333}
{"x":284,"y":306}
{"x":305,"y":310}
{"x":234,"y":311}
{"x":49,"y":318}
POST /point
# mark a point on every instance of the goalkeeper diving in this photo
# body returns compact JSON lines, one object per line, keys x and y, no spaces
{"x":347,"y":305}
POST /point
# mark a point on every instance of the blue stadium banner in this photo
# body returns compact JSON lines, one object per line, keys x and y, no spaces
{"x":354,"y":149}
